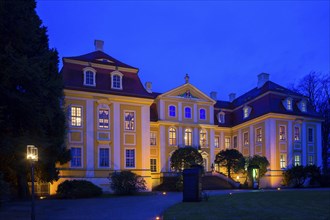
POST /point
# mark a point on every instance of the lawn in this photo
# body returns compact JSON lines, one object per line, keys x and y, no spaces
{"x":288,"y":205}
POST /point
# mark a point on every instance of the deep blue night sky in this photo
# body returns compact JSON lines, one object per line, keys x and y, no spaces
{"x":222,"y":45}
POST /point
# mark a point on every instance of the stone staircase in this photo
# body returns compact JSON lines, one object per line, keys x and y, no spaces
{"x":214,"y":181}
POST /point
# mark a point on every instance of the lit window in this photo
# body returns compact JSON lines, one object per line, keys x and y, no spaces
{"x":89,"y":76}
{"x":129,"y":121}
{"x":187,"y":112}
{"x":172,"y":111}
{"x":297,"y":133}
{"x":188,"y":137}
{"x":153,"y":139}
{"x":116,"y":80}
{"x":172,"y":136}
{"x":235,"y":142}
{"x":203,"y":138}
{"x":310,"y":160}
{"x":302,"y":105}
{"x":104,"y":157}
{"x":283,"y":161}
{"x":246,"y":138}
{"x":76,"y":116}
{"x":282,"y":133}
{"x":202,"y":114}
{"x":130,"y":158}
{"x":246,"y":111}
{"x":221,"y":117}
{"x":297,"y":160}
{"x":103,"y":118}
{"x":289,"y":104}
{"x":227,"y":142}
{"x":310,"y":135}
{"x":153,"y":165}
{"x":259,"y":135}
{"x":216,"y":142}
{"x":76,"y":157}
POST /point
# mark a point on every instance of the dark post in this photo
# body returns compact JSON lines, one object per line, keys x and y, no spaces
{"x":32,"y":193}
{"x":192,"y":187}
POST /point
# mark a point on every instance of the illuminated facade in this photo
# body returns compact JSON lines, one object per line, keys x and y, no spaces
{"x":115,"y":123}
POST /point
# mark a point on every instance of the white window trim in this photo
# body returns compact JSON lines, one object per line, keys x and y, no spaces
{"x":200,"y":114}
{"x":155,"y":132}
{"x":294,"y":133}
{"x":126,"y":111}
{"x":285,"y":103}
{"x":94,"y":76}
{"x":224,"y":118}
{"x":176,"y":136}
{"x":300,"y":105}
{"x":117,"y":73}
{"x":312,"y":135}
{"x":192,"y":138}
{"x":286,"y":133}
{"x":187,"y":107}
{"x":98,"y":156}
{"x":175,"y":111}
{"x":256,"y":135}
{"x":217,"y":137}
{"x":82,"y":116}
{"x":82,"y":157}
{"x":206,"y":137}
{"x":103,"y":106}
{"x":249,"y":109}
{"x":228,"y":138}
{"x":134,"y":158}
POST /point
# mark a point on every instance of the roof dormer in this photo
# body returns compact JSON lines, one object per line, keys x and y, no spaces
{"x":246,"y":111}
{"x":302,"y":105}
{"x":287,"y":103}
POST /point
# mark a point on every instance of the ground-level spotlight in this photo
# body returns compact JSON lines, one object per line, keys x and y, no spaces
{"x":164,"y":193}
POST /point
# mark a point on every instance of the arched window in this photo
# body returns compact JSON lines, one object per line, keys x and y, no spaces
{"x":116,"y":80}
{"x":221,"y":117}
{"x":187,"y":112}
{"x":202,"y":114}
{"x":172,"y":111}
{"x":188,"y":137}
{"x":172,"y":136}
{"x":203,"y":138}
{"x":89,"y":76}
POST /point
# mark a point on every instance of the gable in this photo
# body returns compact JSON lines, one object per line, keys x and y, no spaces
{"x":187,"y":92}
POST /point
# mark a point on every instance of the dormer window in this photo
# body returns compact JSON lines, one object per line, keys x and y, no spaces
{"x":116,"y":80}
{"x":89,"y":76}
{"x":221,"y":117}
{"x":302,"y":105}
{"x":246,"y":111}
{"x":287,"y":103}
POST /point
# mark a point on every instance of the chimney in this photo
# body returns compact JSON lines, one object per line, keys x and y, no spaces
{"x":262,"y":79}
{"x":148,"y":86}
{"x":213,"y":95}
{"x":98,"y":45}
{"x":232,"y":97}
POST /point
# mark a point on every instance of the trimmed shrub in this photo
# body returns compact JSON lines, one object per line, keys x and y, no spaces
{"x":72,"y":189}
{"x":126,"y":183}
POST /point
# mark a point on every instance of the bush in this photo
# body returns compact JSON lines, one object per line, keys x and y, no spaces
{"x":72,"y":189}
{"x":126,"y":183}
{"x":297,"y":175}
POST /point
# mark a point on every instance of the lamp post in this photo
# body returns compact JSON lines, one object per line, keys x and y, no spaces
{"x":32,"y":156}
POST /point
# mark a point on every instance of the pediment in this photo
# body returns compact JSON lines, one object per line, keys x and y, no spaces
{"x":187,"y":92}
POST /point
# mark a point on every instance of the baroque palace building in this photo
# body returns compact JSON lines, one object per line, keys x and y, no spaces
{"x":115,"y":123}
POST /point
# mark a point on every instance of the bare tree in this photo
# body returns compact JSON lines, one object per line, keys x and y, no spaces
{"x":315,"y":86}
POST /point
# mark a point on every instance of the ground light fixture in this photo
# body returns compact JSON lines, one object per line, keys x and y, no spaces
{"x":32,"y":156}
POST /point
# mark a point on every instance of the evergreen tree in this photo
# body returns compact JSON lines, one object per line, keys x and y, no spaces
{"x":31,"y":91}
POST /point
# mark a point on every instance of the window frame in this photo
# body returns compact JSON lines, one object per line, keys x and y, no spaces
{"x":282,"y":136}
{"x":259,"y":135}
{"x":246,"y":111}
{"x":171,"y":138}
{"x":246,"y":140}
{"x":87,"y":70}
{"x":71,"y":116}
{"x":235,"y":141}
{"x":296,"y":137}
{"x":120,"y":75}
{"x":310,"y":136}
{"x":216,"y":142}
{"x":188,"y":139}
{"x":153,"y":165}
{"x":130,"y":158}
{"x":227,"y":143}
{"x":297,"y":162}
{"x":189,"y":112}
{"x":283,"y":161}
{"x":153,"y":138}
{"x":72,"y":157}
{"x":205,"y":140}
{"x":310,"y":160}
{"x":172,"y":111}
{"x":204,"y":114}
{"x":221,"y":117}
{"x":100,"y":108}
{"x":134,"y":120}
{"x":99,"y":156}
